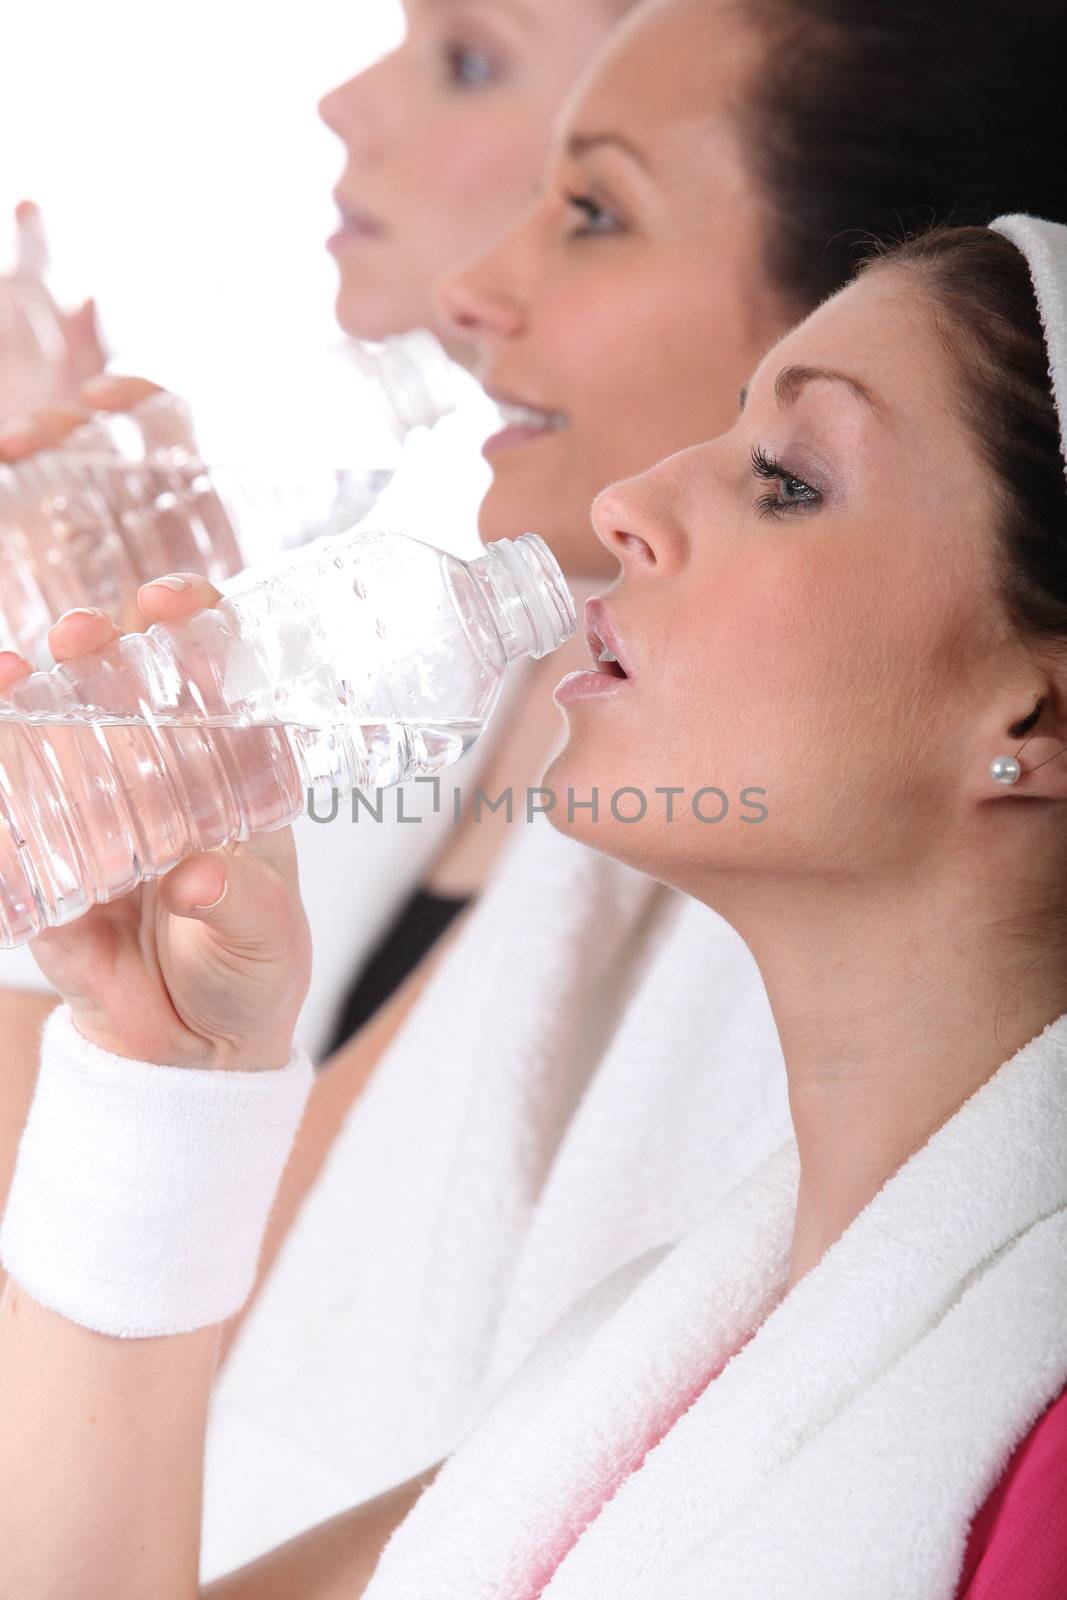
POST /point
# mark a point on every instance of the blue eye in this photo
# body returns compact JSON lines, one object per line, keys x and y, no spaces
{"x":791,"y":493}
{"x":469,"y":68}
{"x":598,"y":219}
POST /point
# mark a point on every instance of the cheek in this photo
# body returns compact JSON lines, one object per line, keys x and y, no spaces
{"x":502,"y":153}
{"x":656,"y":350}
{"x":471,"y":176}
{"x":447,"y":186}
{"x":825,"y":685}
{"x":813,"y":681}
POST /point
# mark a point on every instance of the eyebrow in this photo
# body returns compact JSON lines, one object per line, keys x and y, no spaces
{"x":518,"y":9}
{"x":579,"y":144}
{"x":791,"y":380}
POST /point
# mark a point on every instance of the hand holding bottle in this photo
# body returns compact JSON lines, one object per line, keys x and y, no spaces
{"x":48,"y":427}
{"x":96,"y":496}
{"x":45,"y":353}
{"x":102,"y":491}
{"x":209,"y":965}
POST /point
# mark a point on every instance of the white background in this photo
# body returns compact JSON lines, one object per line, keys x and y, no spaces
{"x":183,"y":171}
{"x":185,"y":180}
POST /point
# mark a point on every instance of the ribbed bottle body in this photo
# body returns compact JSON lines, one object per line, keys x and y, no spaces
{"x":87,"y":529}
{"x":90,"y":810}
{"x":374,"y":660}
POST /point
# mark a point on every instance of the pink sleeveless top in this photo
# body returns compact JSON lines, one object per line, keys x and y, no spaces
{"x":1017,"y":1548}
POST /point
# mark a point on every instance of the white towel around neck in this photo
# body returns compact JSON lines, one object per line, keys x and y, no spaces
{"x":593,"y":1066}
{"x":842,"y":1452}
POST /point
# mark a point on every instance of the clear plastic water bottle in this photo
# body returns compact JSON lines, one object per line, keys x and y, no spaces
{"x":287,"y":472}
{"x":368,"y":660}
{"x":129,"y":494}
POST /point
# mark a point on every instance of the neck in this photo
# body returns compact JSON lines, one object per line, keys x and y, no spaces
{"x":894,"y":1004}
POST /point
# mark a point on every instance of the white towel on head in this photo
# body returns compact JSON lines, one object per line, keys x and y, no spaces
{"x":593,"y":1066}
{"x":1044,"y":244}
{"x":842,"y":1451}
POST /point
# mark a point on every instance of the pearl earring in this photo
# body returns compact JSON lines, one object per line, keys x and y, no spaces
{"x":1005,"y":769}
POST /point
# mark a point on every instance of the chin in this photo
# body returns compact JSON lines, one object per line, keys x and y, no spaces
{"x":641,"y":846}
{"x":667,"y":852}
{"x":364,"y":314}
{"x":573,"y":773}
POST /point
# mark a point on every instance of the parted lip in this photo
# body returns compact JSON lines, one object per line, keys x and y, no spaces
{"x":354,"y":216}
{"x":600,"y":631}
{"x":511,"y":400}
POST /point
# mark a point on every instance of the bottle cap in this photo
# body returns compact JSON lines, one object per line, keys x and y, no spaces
{"x":540,"y":606}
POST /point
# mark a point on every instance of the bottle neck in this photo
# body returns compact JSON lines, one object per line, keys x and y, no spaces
{"x":413,"y":375}
{"x":527,"y":594}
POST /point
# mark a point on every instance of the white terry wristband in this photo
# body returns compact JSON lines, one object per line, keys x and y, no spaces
{"x":141,"y":1193}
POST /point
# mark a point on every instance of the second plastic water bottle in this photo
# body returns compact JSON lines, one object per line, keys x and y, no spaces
{"x":129,"y":494}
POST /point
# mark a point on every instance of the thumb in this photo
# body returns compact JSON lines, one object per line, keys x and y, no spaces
{"x":246,"y":903}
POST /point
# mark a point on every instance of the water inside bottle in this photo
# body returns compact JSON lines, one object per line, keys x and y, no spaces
{"x":90,"y":809}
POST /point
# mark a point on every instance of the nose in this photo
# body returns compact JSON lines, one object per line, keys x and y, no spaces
{"x":638,"y":521}
{"x":483,"y":300}
{"x":353,"y":112}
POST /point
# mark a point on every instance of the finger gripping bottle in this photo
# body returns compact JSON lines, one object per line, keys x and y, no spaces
{"x":370,"y":660}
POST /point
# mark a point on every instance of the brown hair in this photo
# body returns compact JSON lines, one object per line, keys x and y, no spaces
{"x":875,"y":117}
{"x":986,"y":312}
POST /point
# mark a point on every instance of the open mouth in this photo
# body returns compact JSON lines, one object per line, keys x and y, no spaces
{"x":522,"y":421}
{"x":606,"y":662}
{"x":604,"y":643}
{"x":355,"y":223}
{"x":514,"y":414}
{"x":610,"y":658}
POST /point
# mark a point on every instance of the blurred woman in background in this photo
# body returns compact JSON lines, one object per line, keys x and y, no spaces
{"x":445,"y":139}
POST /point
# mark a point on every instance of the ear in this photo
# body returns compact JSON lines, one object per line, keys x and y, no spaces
{"x":1037,"y":738}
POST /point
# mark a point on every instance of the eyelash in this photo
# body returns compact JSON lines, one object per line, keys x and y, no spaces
{"x":591,"y":209}
{"x":764,"y":466}
{"x":456,"y":54}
